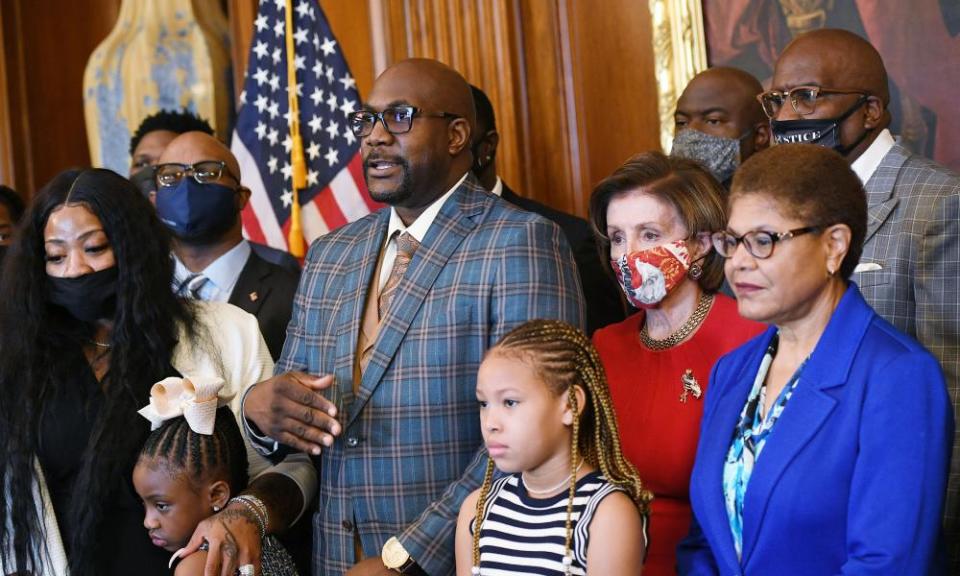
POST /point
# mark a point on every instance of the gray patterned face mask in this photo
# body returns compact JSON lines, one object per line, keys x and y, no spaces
{"x":719,"y":155}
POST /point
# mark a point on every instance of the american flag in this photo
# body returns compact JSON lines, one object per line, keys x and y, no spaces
{"x":335,"y":192}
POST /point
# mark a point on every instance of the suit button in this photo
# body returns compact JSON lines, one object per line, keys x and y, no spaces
{"x":353,"y":441}
{"x":347,"y":525}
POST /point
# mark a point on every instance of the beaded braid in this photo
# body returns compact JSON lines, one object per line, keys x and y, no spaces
{"x":564,"y":358}
{"x":222,"y":453}
{"x":574,"y":456}
{"x":481,"y":502}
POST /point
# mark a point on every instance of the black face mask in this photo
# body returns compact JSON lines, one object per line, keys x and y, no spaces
{"x":87,"y":298}
{"x":824,"y":132}
{"x":145,"y":180}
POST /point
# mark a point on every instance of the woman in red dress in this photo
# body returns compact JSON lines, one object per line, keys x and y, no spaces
{"x":654,"y":216}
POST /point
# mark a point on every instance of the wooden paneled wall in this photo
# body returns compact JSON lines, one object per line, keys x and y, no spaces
{"x":45,"y":48}
{"x":571,"y":81}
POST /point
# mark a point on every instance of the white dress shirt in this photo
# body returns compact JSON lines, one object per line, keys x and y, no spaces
{"x":418,"y":230}
{"x":222,"y":274}
{"x":497,"y":188}
{"x":868,"y":162}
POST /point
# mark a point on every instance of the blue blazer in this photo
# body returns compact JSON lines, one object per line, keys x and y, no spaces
{"x":853,"y":475}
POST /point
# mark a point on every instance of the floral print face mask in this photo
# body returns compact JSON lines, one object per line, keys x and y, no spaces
{"x":647,"y":276}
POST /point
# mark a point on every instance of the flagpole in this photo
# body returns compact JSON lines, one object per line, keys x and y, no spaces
{"x":297,"y":161}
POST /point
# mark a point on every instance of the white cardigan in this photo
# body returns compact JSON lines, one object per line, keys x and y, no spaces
{"x":234,"y":350}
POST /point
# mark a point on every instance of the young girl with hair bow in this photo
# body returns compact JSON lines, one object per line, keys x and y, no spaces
{"x":191,"y":466}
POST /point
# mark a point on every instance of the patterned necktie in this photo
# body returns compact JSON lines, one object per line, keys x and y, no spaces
{"x":406,"y":246}
{"x":192,"y":285}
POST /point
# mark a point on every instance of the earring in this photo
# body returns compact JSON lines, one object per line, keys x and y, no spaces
{"x":216,"y":508}
{"x":830,"y":272}
{"x":696,"y":271}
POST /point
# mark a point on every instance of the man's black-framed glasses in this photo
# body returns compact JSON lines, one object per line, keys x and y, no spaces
{"x":759,"y":243}
{"x":396,"y":119}
{"x":171,"y":173}
{"x":802,"y":98}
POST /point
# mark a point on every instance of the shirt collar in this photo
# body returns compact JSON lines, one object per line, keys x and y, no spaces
{"x":422,"y":224}
{"x":868,"y":162}
{"x":497,"y":188}
{"x":222,"y":272}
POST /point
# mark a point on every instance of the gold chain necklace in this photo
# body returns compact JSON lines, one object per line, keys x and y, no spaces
{"x":695,"y":319}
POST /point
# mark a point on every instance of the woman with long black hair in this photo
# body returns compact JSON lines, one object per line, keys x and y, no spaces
{"x":90,"y":322}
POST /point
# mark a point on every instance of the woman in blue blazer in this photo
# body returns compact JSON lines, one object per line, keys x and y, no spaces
{"x":825,"y":442}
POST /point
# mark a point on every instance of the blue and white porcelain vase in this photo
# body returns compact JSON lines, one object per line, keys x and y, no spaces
{"x":161,"y":55}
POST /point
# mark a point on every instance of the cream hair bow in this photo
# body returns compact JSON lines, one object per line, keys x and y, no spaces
{"x":196,"y":398}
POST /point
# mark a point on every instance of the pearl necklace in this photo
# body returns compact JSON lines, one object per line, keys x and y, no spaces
{"x":565,"y":482}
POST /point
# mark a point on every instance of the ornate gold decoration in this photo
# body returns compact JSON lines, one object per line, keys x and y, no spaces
{"x":679,"y":52}
{"x":805,"y":15}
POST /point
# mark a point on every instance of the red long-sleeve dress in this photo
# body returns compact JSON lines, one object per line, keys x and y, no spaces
{"x":658,"y":431}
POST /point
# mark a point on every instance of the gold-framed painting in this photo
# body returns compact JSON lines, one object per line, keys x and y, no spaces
{"x":679,"y":52}
{"x":919,"y":42}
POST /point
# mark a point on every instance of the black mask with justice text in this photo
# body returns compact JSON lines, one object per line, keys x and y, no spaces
{"x":824,"y":132}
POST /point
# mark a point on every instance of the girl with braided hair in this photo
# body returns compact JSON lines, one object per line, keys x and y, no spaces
{"x":193,"y":463}
{"x":547,"y":421}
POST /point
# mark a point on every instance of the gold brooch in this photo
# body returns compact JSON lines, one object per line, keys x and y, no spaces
{"x":690,"y":386}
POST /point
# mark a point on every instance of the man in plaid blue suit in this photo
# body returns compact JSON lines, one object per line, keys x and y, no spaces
{"x":392,"y":417}
{"x":910,"y":268}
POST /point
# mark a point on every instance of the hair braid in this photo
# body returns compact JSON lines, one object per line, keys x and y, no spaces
{"x":564,"y":358}
{"x":574,"y":466}
{"x":220,"y":455}
{"x":478,"y":519}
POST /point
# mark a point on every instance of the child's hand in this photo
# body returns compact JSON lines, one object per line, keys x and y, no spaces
{"x":233,"y":537}
{"x":290,"y":409}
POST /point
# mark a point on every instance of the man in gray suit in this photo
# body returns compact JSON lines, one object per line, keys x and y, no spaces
{"x":830,"y":88}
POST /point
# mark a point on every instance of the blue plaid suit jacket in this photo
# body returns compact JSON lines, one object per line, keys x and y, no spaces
{"x":411,"y":448}
{"x":913,"y":234}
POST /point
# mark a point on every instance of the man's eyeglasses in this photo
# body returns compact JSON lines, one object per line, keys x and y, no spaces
{"x":759,"y":243}
{"x":803,"y":99}
{"x":171,"y":173}
{"x":396,"y":119}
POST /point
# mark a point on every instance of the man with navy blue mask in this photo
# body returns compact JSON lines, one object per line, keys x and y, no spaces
{"x":718,"y":121}
{"x":199,"y":197}
{"x":830,"y":88}
{"x":147,"y":145}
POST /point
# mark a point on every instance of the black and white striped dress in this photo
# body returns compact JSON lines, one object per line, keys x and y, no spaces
{"x":522,"y":535}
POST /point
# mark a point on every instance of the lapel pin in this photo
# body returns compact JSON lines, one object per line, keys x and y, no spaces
{"x":254,"y":296}
{"x":690,"y":386}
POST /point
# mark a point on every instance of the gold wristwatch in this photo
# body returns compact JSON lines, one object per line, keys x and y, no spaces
{"x":396,"y":557}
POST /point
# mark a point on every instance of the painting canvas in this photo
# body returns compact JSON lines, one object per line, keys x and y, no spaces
{"x":919,"y":41}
